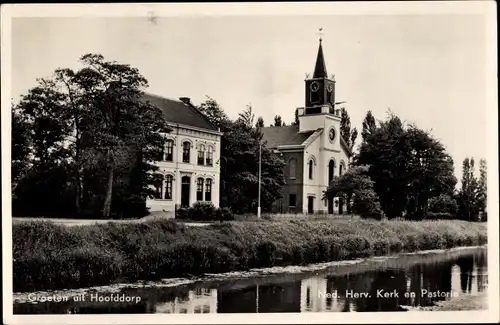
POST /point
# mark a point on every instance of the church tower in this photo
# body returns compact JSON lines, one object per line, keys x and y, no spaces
{"x":320,"y":90}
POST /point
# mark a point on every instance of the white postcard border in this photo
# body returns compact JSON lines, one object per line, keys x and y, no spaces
{"x":486,"y":8}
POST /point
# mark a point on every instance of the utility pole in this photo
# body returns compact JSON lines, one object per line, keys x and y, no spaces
{"x":258,"y":200}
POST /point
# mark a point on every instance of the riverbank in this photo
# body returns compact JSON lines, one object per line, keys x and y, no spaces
{"x":464,"y":302}
{"x":49,"y":256}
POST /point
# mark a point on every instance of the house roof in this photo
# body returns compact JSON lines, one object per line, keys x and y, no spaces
{"x":177,"y":111}
{"x":284,"y":135}
{"x":344,"y":145}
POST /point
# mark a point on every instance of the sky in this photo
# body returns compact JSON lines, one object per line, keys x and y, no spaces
{"x":427,"y":69}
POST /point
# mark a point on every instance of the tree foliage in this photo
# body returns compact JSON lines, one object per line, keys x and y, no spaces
{"x":87,"y":126}
{"x":214,"y":113}
{"x":369,"y":125}
{"x":408,"y":166}
{"x":239,"y":165}
{"x":20,"y":150}
{"x":472,"y":194}
{"x":444,"y":203}
{"x":278,"y":121}
{"x":247,"y":117}
{"x":348,"y":134}
{"x":356,"y":187}
{"x":483,"y":188}
{"x":260,"y":122}
{"x":296,"y":118}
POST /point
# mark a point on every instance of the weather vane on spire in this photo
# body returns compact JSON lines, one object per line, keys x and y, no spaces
{"x":320,"y":33}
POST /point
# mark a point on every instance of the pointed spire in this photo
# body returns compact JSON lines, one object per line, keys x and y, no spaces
{"x":320,"y":67}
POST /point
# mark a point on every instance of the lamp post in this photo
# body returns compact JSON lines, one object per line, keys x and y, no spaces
{"x":258,"y":200}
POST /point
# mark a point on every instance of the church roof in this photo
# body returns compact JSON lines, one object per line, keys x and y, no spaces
{"x":178,"y":111}
{"x":284,"y":135}
{"x":276,"y":136}
{"x":320,"y":67}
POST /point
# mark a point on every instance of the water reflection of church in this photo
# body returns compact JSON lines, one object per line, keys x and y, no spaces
{"x":465,"y":275}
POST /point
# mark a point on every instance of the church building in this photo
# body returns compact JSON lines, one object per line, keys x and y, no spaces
{"x":189,"y":168}
{"x":313,"y":151}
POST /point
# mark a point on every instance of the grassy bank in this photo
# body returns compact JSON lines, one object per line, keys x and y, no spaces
{"x":49,"y":256}
{"x":464,"y":302}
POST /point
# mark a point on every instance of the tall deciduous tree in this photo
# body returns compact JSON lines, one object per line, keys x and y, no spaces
{"x":407,"y":165}
{"x":239,"y":165}
{"x":356,"y":187}
{"x":296,"y":120}
{"x":482,"y":195}
{"x":84,"y":121}
{"x":469,"y":192}
{"x":121,"y":119}
{"x":260,"y":122}
{"x":215,"y":114}
{"x":21,"y":148}
{"x":278,"y":121}
{"x":242,"y":170}
{"x":429,"y":171}
{"x":369,"y":125}
{"x":348,"y":134}
{"x":247,"y":117}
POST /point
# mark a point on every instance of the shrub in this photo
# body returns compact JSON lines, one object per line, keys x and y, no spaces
{"x":322,"y":251}
{"x":439,"y":215}
{"x":443,"y":204}
{"x":367,"y":205}
{"x":266,"y":253}
{"x":181,"y":213}
{"x":202,"y":211}
{"x":224,"y":214}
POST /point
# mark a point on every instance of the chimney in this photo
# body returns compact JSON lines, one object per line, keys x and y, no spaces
{"x":185,"y":100}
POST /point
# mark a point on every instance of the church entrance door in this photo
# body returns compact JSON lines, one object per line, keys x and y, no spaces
{"x":185,"y":190}
{"x":310,"y":204}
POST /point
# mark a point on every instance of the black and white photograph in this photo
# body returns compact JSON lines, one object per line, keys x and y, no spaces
{"x":246,"y":162}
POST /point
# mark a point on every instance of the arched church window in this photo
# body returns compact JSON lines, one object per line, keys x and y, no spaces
{"x":311,"y":169}
{"x":331,"y":170}
{"x":293,"y":168}
{"x":341,"y":168}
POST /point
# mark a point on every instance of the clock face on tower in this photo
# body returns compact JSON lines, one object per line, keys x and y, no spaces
{"x":331,"y":135}
{"x":329,"y":87}
{"x":314,"y":86}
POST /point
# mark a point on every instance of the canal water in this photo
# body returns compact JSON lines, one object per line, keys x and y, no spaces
{"x":391,"y":283}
